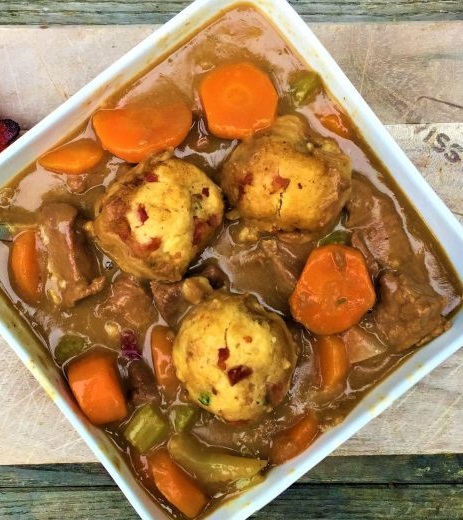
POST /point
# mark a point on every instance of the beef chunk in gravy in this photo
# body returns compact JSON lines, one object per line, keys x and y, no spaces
{"x":409,"y":312}
{"x":71,"y":265}
{"x":128,"y":304}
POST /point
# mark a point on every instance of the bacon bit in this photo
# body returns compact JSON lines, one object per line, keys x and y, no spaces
{"x":205,"y":191}
{"x":279,"y":183}
{"x":299,"y":185}
{"x":238,"y":373}
{"x":248,"y":339}
{"x":154,"y":244}
{"x":151,"y":177}
{"x":247,"y":180}
{"x":275,"y":393}
{"x":199,"y":231}
{"x":213,"y":221}
{"x":224,"y":354}
{"x":142,"y":214}
{"x":122,"y":228}
{"x":116,"y":208}
{"x":9,"y":131}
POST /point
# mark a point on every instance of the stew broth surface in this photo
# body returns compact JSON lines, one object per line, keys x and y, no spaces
{"x":240,"y":34}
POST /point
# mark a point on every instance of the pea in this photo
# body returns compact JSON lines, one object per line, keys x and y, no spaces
{"x":69,"y":345}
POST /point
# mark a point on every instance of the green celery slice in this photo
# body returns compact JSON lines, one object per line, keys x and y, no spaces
{"x":146,"y":428}
{"x":183,"y":416}
{"x":304,"y":88}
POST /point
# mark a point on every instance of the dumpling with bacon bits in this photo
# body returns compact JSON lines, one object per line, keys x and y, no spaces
{"x":287,"y":178}
{"x":154,"y":219}
{"x":235,"y":359}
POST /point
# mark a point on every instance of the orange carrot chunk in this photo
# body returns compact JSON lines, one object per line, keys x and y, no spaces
{"x":333,"y":360}
{"x":162,"y":339}
{"x":239,"y":99}
{"x":294,"y":440}
{"x":134,"y":132}
{"x":95,"y":383}
{"x":337,"y":123}
{"x":24,"y":266}
{"x":73,"y":158}
{"x":178,"y":488}
{"x":334,"y":291}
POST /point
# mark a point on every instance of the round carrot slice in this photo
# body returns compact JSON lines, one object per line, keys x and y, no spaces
{"x":73,"y":158}
{"x":334,"y":291}
{"x":24,"y":265}
{"x":133,"y":133}
{"x":239,"y":99}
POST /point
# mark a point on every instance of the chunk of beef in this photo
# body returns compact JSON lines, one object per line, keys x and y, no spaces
{"x":141,"y":383}
{"x":377,"y":228}
{"x":169,"y":301}
{"x":217,"y":278}
{"x":71,"y":264}
{"x":362,"y":345}
{"x":128,"y":304}
{"x":409,"y":312}
{"x":282,"y":264}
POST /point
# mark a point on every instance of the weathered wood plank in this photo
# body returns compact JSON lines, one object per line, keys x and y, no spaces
{"x":328,"y":502}
{"x":300,"y":502}
{"x":44,"y":12}
{"x":408,"y":73}
{"x":53,"y":504}
{"x":372,"y":470}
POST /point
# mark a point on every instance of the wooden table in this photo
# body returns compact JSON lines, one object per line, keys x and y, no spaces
{"x":406,"y":464}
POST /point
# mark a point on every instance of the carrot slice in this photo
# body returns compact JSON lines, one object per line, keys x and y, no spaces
{"x":24,"y":265}
{"x":239,"y":99}
{"x":133,"y":133}
{"x":337,"y":123}
{"x":294,"y":440}
{"x":179,"y":488}
{"x":333,"y":360}
{"x":334,"y":291}
{"x":162,"y":340}
{"x":73,"y":158}
{"x":94,"y":381}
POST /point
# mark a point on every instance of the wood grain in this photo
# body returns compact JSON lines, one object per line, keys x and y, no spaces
{"x":44,"y":12}
{"x":339,"y":488}
{"x":408,"y":73}
{"x":373,"y":469}
{"x":401,"y":69}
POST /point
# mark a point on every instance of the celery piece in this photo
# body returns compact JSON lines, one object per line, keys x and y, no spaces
{"x":183,"y":416}
{"x":215,"y":469}
{"x":304,"y":88}
{"x":69,"y":345}
{"x":338,"y":236}
{"x":146,"y":428}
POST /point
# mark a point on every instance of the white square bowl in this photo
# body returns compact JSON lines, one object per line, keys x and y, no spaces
{"x":439,"y":219}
